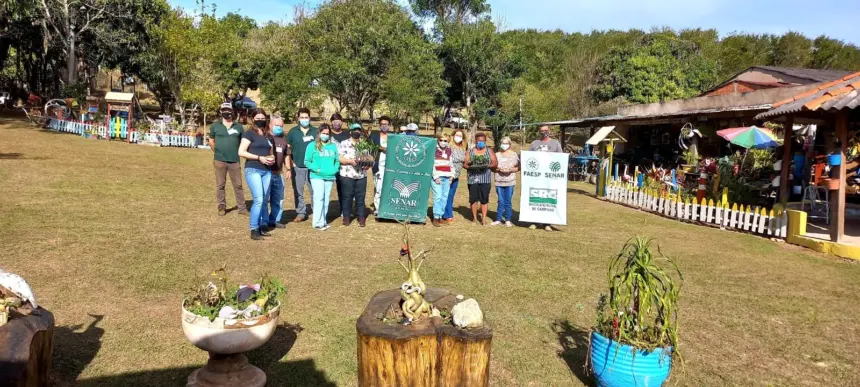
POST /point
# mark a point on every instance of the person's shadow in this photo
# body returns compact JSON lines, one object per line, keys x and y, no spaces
{"x":574,"y":349}
{"x":73,"y":350}
{"x":268,"y":358}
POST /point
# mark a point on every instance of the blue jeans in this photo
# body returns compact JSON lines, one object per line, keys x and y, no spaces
{"x":322,"y":195}
{"x":449,"y":208}
{"x":440,"y":196}
{"x":258,"y":182}
{"x":505,"y":210}
{"x":276,"y":199}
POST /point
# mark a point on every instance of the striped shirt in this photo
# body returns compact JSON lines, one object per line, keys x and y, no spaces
{"x":442,"y":163}
{"x":479,"y":176}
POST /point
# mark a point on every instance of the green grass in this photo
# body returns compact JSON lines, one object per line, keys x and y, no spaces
{"x":119,"y":231}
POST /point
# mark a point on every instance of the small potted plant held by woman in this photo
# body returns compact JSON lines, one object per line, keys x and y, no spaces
{"x":635,"y":339}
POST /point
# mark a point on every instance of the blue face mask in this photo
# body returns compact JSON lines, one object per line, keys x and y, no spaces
{"x":481,"y":144}
{"x":304,"y":123}
{"x":411,"y":133}
{"x":324,"y":137}
{"x":278,"y":130}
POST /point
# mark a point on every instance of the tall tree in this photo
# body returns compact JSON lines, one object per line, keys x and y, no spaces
{"x":450,"y":11}
{"x":792,"y":50}
{"x":353,"y":60}
{"x":660,"y":67}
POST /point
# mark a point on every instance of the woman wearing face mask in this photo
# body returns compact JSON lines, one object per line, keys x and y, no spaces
{"x":256,"y":149}
{"x":458,"y":157}
{"x":279,"y":173}
{"x":321,"y":159}
{"x":506,"y":179}
{"x":479,"y":177}
{"x":442,"y":173}
{"x":353,"y":177}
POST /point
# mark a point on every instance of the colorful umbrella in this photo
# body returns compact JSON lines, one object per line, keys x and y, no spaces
{"x":751,"y":137}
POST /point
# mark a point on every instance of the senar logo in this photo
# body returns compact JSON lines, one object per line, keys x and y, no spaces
{"x":555,"y":166}
{"x":539,"y":196}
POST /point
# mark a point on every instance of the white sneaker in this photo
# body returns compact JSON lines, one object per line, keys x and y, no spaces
{"x":509,"y":224}
{"x":548,"y":228}
{"x":496,"y":223}
{"x":319,"y":228}
{"x":326,"y":227}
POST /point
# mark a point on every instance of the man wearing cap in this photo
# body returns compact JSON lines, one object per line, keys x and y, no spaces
{"x":353,"y":176}
{"x":411,"y":129}
{"x":224,"y":137}
{"x":298,"y":139}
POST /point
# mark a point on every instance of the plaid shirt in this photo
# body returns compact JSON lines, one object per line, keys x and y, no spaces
{"x":346,"y":149}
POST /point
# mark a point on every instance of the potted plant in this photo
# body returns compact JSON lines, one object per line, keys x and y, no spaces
{"x":365,"y":153}
{"x":635,"y":339}
{"x":691,"y":160}
{"x":227,"y":320}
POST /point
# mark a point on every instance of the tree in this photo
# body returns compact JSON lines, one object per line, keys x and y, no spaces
{"x":286,"y":79}
{"x":71,"y":22}
{"x":660,"y":67}
{"x":792,"y":50}
{"x":475,"y":64}
{"x":830,"y":53}
{"x":739,"y":52}
{"x":450,"y":11}
{"x":353,"y":60}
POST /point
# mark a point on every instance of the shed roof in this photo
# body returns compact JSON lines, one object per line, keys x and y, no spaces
{"x":833,"y":96}
{"x":113,"y":96}
{"x":815,"y":75}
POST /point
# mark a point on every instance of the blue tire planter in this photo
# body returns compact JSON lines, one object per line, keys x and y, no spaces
{"x":834,"y":159}
{"x":615,"y":365}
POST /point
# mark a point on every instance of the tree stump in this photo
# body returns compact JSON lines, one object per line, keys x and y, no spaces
{"x":425,"y":354}
{"x":26,"y":345}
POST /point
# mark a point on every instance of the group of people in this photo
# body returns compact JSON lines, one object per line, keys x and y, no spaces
{"x":319,"y":158}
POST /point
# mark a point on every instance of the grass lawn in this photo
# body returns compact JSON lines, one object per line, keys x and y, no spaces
{"x":110,"y":235}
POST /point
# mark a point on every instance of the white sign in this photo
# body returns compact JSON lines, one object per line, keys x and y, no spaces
{"x":543,"y":198}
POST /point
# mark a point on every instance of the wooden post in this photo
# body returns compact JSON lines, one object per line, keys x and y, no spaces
{"x":425,"y":354}
{"x":786,"y":160}
{"x":837,"y":225}
{"x":563,"y":139}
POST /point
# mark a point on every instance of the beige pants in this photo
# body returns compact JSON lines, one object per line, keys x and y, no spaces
{"x":222,"y":169}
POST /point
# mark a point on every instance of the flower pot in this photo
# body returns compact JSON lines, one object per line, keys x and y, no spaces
{"x":831,"y":184}
{"x":226,"y":340}
{"x":834,"y":159}
{"x":620,"y":365}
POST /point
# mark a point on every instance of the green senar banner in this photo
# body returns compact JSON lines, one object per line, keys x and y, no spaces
{"x":408,"y":175}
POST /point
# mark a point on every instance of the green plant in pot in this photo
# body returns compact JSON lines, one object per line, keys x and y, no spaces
{"x":635,"y":339}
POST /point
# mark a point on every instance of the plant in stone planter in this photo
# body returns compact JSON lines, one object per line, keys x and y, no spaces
{"x":228,"y":319}
{"x":634,"y":342}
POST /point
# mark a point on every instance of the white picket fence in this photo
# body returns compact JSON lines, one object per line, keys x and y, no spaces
{"x":80,"y":128}
{"x":758,"y":221}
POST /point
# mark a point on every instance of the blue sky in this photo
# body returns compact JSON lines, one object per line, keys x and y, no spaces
{"x":835,"y":18}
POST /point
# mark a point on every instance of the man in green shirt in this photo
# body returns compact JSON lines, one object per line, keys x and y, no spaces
{"x":298,"y":139}
{"x":224,"y":137}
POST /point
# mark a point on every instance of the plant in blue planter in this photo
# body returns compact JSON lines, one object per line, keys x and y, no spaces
{"x":635,"y":340}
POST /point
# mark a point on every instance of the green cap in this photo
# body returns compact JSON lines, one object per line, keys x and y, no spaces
{"x":355,"y":126}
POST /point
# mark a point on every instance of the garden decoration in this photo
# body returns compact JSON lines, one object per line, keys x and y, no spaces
{"x":26,"y":334}
{"x":227,"y":320}
{"x":635,"y":339}
{"x":420,"y":336}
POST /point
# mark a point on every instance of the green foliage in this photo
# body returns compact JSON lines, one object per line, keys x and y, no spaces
{"x":641,"y":309}
{"x":450,"y":11}
{"x":659,"y":67}
{"x":285,"y":78}
{"x":359,"y":61}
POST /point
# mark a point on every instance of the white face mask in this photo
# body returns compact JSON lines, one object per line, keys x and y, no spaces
{"x":458,"y":139}
{"x":506,"y":146}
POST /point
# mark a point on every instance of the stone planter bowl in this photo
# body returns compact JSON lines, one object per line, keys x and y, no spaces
{"x":229,"y":336}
